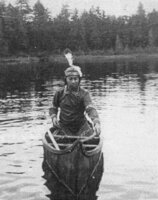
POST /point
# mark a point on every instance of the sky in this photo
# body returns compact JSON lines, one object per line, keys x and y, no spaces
{"x":111,"y":7}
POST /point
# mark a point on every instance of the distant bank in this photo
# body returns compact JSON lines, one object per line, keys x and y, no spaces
{"x":80,"y":58}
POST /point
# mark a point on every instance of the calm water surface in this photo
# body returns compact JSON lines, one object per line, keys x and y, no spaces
{"x":126,"y":97}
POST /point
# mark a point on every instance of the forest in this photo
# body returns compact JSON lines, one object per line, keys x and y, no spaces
{"x":26,"y":30}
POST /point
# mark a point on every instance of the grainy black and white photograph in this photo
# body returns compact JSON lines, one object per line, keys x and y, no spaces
{"x":78,"y":100}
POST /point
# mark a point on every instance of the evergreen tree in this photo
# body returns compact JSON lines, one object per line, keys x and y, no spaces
{"x":140,"y":10}
{"x":118,"y":45}
{"x":11,"y":28}
{"x":74,"y":39}
{"x":23,"y":11}
{"x":39,"y":36}
{"x":62,"y":28}
{"x":3,"y":42}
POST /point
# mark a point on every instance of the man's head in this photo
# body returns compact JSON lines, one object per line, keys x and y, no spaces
{"x":73,"y":76}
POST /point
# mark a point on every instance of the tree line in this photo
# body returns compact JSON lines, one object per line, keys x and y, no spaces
{"x":26,"y":30}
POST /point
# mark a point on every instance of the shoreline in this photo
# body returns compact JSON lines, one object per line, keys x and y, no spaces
{"x":79,"y":58}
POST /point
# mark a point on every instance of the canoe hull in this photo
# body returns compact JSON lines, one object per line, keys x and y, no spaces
{"x":75,"y":171}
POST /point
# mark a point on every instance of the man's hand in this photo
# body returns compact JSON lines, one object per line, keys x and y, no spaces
{"x":55,"y":121}
{"x":97,"y":128}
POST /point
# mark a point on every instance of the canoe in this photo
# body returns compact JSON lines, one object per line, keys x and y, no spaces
{"x":73,"y":165}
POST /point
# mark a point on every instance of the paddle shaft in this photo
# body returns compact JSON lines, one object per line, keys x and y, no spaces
{"x":53,"y":140}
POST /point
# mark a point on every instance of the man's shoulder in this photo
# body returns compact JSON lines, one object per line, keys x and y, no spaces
{"x":84,"y":91}
{"x":60,"y":91}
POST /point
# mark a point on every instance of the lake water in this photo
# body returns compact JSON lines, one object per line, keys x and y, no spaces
{"x":126,"y":97}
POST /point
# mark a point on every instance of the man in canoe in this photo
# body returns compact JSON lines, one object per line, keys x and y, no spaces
{"x":73,"y":102}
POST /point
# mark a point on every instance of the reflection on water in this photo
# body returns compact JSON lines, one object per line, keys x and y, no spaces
{"x":126,"y":96}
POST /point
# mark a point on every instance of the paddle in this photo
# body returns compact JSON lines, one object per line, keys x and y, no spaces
{"x":53,"y":140}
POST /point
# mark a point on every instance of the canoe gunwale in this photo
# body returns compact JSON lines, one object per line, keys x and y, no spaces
{"x":79,"y":142}
{"x":96,"y":150}
{"x":50,"y":148}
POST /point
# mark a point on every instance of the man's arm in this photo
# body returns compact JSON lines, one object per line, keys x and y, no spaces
{"x":92,"y":112}
{"x":54,"y":109}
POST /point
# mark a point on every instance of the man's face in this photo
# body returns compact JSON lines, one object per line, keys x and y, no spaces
{"x":72,"y":82}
